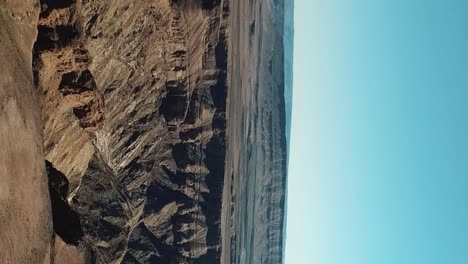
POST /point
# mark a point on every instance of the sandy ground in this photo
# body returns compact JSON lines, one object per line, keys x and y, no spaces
{"x":253,"y":201}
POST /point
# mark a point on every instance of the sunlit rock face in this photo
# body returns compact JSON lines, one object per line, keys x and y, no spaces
{"x":25,"y":214}
{"x":142,"y":131}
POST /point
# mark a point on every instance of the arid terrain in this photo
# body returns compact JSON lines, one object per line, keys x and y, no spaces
{"x":142,"y":131}
{"x":254,"y":194}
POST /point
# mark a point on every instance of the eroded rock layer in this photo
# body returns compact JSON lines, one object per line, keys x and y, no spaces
{"x":134,"y":100}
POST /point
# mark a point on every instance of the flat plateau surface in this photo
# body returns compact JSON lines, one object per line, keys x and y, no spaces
{"x":253,"y":197}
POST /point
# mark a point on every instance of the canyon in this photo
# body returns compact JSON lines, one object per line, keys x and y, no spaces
{"x":142,"y":131}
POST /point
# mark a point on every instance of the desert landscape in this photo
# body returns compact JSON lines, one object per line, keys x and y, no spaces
{"x":142,"y":131}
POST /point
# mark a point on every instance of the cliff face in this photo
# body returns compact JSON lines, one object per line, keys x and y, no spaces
{"x":134,"y":114}
{"x":161,"y":126}
{"x":25,"y":218}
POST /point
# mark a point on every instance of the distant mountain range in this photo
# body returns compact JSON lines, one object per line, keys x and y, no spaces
{"x":288,"y":88}
{"x":288,"y":63}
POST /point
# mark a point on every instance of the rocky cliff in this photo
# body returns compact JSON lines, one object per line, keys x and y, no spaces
{"x":25,"y":217}
{"x":161,"y":126}
{"x":134,"y":113}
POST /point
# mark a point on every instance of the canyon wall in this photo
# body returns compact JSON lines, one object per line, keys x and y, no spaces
{"x":25,"y":214}
{"x":134,"y":114}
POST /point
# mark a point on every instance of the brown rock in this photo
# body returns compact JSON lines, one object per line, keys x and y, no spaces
{"x":25,"y":217}
{"x":144,"y":170}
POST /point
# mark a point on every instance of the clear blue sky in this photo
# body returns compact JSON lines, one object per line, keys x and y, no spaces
{"x":379,"y":147}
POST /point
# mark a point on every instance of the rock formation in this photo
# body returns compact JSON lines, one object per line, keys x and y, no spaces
{"x":134,"y":115}
{"x":25,"y":218}
{"x":159,"y":124}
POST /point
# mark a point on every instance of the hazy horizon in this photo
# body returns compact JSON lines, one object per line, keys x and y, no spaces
{"x":377,"y":171}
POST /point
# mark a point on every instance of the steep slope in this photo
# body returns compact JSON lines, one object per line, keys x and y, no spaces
{"x":25,"y":217}
{"x":134,"y":113}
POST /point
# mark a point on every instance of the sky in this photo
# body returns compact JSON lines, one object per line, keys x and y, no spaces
{"x":378,"y":172}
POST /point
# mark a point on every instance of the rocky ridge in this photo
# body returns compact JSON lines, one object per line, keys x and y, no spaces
{"x":134,"y":114}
